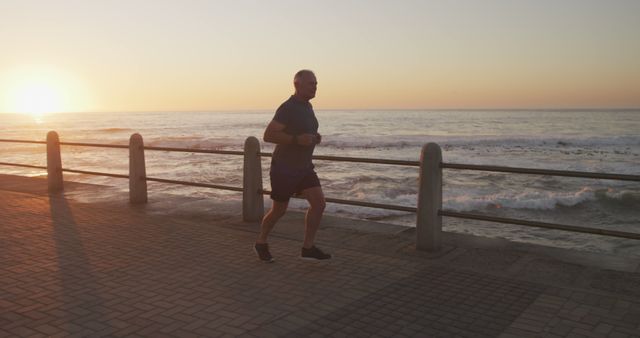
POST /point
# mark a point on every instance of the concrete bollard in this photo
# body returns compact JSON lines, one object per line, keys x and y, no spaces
{"x":137,"y":171}
{"x":429,"y":223}
{"x":54,"y":163}
{"x":252,"y":201}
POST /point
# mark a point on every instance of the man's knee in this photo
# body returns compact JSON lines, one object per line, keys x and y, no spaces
{"x":316,"y":200}
{"x":278,"y":213}
{"x":318,"y":205}
{"x":278,"y":209}
{"x":321,"y":205}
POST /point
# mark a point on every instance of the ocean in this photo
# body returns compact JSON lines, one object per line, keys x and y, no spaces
{"x":595,"y":141}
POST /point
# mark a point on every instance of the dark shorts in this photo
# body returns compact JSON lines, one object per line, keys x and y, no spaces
{"x":285,"y":183}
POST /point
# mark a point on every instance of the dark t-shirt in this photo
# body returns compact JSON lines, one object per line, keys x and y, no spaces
{"x":298,"y":118}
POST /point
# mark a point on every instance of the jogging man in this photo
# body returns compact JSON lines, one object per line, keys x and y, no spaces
{"x":294,"y":130}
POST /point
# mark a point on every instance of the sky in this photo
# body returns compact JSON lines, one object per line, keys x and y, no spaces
{"x":193,"y":55}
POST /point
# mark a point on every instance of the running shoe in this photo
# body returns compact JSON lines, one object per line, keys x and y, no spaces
{"x":314,"y":254}
{"x":262,"y":250}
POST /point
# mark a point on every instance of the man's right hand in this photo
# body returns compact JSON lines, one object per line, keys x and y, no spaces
{"x":307,"y":139}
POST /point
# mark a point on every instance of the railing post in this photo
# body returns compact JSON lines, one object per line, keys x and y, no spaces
{"x":137,"y":171}
{"x":429,"y":223}
{"x":54,"y":163}
{"x":252,"y":201}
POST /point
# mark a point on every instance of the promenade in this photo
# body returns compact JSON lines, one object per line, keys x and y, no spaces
{"x":76,"y":266}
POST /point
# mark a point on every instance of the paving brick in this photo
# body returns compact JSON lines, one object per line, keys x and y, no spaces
{"x":617,"y":334}
{"x":591,"y":320}
{"x":47,"y":329}
{"x":603,"y":329}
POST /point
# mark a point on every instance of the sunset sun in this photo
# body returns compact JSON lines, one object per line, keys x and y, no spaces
{"x":38,"y":91}
{"x":36,"y":98}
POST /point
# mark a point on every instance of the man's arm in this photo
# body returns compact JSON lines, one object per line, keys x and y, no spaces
{"x":275,"y":134}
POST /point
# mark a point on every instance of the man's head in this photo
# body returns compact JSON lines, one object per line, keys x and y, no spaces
{"x":306,"y":84}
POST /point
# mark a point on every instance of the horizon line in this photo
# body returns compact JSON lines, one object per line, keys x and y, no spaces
{"x":339,"y":109}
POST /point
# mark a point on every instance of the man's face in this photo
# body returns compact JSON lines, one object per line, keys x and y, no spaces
{"x":306,"y":86}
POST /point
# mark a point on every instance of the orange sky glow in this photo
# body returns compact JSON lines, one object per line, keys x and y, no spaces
{"x":144,"y":55}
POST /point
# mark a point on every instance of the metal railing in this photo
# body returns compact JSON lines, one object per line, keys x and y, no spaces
{"x":116,"y":146}
{"x":548,"y":172}
{"x":225,"y":152}
{"x":429,"y":207}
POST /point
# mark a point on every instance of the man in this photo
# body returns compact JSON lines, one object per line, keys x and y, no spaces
{"x":294,"y":130}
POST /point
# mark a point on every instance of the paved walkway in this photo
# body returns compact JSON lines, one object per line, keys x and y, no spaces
{"x":105,"y":269}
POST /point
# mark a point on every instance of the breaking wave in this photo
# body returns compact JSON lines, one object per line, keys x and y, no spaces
{"x":543,"y":200}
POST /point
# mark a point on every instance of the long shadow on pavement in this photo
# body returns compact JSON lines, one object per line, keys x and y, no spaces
{"x":82,"y":302}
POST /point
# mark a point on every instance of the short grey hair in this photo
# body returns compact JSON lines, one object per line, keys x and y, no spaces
{"x":301,"y":73}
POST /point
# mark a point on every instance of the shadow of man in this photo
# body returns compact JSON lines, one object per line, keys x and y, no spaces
{"x":82,"y":303}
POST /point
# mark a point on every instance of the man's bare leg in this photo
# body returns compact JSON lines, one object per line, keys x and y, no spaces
{"x":270,"y":219}
{"x":315,"y":197}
